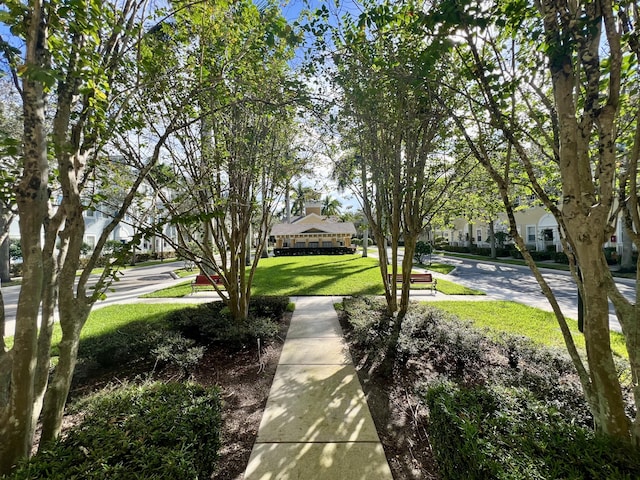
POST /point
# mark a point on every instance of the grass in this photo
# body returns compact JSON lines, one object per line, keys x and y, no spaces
{"x":443,"y":268}
{"x":317,"y":275}
{"x":110,"y":319}
{"x":511,"y":317}
{"x":450,"y":288}
{"x":183,"y":272}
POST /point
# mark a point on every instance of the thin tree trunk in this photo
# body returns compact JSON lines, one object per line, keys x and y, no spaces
{"x":626,"y":260}
{"x":5,"y":264}
{"x":58,"y":391}
{"x":492,"y":236}
{"x":365,"y":242}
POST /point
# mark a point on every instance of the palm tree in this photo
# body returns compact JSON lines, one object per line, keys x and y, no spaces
{"x":331,"y":206}
{"x":302,"y":195}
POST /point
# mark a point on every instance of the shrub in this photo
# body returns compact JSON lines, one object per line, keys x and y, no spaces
{"x":175,"y":350}
{"x":440,"y":242}
{"x":515,"y":253}
{"x":130,"y":343}
{"x":269,"y":306}
{"x":211,"y":323}
{"x":159,"y":431}
{"x":561,"y":257}
{"x":367,"y":320}
{"x":422,"y":248}
{"x":505,"y":433}
{"x":541,"y":256}
{"x":457,"y":348}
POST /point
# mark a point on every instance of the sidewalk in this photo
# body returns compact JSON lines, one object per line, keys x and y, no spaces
{"x":316,"y":424}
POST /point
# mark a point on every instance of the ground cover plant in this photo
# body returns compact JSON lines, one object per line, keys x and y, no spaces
{"x":154,"y":430}
{"x":151,"y":378}
{"x":318,"y":275}
{"x":465,"y":402}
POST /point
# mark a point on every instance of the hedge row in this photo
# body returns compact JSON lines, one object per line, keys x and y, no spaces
{"x":499,"y":407}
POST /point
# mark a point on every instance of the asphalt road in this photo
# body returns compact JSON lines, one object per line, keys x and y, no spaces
{"x":132,"y":283}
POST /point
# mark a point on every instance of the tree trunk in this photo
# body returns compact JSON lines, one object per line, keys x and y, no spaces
{"x":492,"y":236}
{"x":610,"y":416}
{"x":58,"y":390}
{"x":5,"y":264}
{"x":626,"y":260}
{"x":31,"y":197}
{"x":365,"y":242}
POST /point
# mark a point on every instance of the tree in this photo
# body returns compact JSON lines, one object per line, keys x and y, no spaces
{"x":559,"y":84}
{"x":77,"y":58}
{"x":331,"y":206}
{"x":398,"y":159}
{"x":302,"y":195}
{"x":395,"y":133}
{"x":232,"y":164}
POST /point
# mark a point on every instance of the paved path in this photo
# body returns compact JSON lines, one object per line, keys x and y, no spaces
{"x":316,"y":424}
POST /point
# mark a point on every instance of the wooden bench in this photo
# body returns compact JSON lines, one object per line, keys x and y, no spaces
{"x":203,"y":281}
{"x":416,"y":278}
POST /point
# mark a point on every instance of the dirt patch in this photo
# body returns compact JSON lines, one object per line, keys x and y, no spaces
{"x":245,"y":381}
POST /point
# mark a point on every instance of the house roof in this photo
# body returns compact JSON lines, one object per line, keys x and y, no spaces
{"x":315,"y":227}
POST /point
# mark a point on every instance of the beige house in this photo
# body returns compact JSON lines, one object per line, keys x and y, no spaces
{"x":313,"y":234}
{"x":537,"y":226}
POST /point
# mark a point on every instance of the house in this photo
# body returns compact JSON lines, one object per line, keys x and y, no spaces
{"x":537,"y":226}
{"x":313,"y":234}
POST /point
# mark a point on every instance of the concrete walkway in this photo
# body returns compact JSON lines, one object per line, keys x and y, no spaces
{"x":316,"y":424}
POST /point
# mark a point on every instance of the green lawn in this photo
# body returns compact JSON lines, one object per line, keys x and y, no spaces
{"x":443,"y":268}
{"x":318,"y":275}
{"x":539,"y":325}
{"x":110,"y":319}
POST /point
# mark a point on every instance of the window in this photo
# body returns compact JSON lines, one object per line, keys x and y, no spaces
{"x":90,"y":240}
{"x":300,"y":245}
{"x":326,"y":244}
{"x":479,"y":235}
{"x":531,"y":233}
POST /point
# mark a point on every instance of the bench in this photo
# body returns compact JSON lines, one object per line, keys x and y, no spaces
{"x":416,"y":278}
{"x":203,"y":281}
